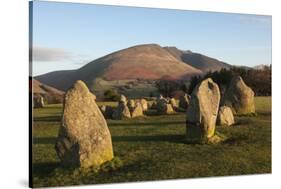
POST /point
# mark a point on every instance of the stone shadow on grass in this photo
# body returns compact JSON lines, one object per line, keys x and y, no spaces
{"x":45,"y":168}
{"x":152,"y":138}
{"x":48,"y":118}
{"x":152,"y":123}
{"x":44,"y":140}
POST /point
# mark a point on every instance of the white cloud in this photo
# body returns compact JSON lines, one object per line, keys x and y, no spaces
{"x":45,"y":54}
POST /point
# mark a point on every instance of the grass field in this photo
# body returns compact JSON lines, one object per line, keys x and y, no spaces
{"x":153,"y":148}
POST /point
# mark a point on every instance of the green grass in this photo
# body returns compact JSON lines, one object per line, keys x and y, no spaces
{"x":153,"y":148}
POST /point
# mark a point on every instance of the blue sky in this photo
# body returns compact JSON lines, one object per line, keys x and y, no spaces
{"x":69,"y":35}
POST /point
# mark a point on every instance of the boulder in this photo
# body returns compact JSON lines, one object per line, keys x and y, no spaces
{"x":107,"y":111}
{"x":137,"y":111}
{"x":144,"y":104}
{"x":123,"y":99}
{"x":173,"y":102}
{"x":38,"y":102}
{"x":164,"y":107}
{"x":225,"y":116}
{"x":239,"y":97}
{"x":202,"y":112}
{"x":84,"y":139}
{"x":131,"y":104}
{"x":122,"y":111}
{"x":184,"y":101}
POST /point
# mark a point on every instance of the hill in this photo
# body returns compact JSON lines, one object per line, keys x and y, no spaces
{"x":196,"y":60}
{"x":146,"y":62}
{"x":50,"y":94}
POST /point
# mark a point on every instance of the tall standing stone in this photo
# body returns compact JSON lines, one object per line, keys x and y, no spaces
{"x":122,"y":111}
{"x":38,"y":102}
{"x":144,"y":104}
{"x":137,"y":111}
{"x":84,"y":139}
{"x":202,"y":112}
{"x":131,"y":104}
{"x":239,"y":97}
{"x":173,"y":102}
{"x":184,"y":101}
{"x":225,"y":116}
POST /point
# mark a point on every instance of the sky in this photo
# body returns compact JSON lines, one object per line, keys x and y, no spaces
{"x":69,"y":35}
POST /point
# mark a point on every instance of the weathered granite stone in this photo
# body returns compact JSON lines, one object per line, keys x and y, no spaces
{"x":107,"y":111}
{"x":137,"y":111}
{"x":144,"y":104}
{"x":184,"y":101}
{"x":239,"y":97}
{"x":122,"y":111}
{"x":202,"y":112}
{"x":225,"y":116}
{"x":84,"y":139}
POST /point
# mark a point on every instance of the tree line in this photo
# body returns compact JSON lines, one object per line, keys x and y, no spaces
{"x":258,"y":79}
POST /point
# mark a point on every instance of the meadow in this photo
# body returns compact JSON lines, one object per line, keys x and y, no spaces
{"x":153,"y":148}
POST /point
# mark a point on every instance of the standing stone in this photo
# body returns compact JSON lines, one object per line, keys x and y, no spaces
{"x":173,"y":103}
{"x":83,"y":139}
{"x":164,"y":107}
{"x":122,"y":111}
{"x":225,"y":116}
{"x":131,"y":104}
{"x":123,"y":99}
{"x":144,"y":104}
{"x":202,"y":112}
{"x":107,"y":111}
{"x":137,"y":111}
{"x":184,"y":101}
{"x":38,"y":102}
{"x":239,"y":97}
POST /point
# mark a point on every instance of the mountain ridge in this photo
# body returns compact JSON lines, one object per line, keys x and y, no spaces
{"x":145,"y":61}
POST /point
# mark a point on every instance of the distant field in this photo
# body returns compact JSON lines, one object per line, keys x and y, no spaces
{"x":153,"y":148}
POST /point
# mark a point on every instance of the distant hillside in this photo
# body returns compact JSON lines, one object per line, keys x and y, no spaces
{"x":196,"y":60}
{"x":146,"y":62}
{"x":50,"y":94}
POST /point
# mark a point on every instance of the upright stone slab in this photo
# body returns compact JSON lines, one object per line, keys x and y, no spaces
{"x":131,"y":104}
{"x":123,"y":99}
{"x":225,"y":116}
{"x":83,"y":139}
{"x":202,"y":112}
{"x":239,"y":97}
{"x":122,"y":111}
{"x":173,"y":103}
{"x":144,"y":104}
{"x":137,"y":111}
{"x":107,"y":111}
{"x":38,"y":102}
{"x":184,"y":101}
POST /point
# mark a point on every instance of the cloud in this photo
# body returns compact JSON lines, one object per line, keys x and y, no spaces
{"x":45,"y":54}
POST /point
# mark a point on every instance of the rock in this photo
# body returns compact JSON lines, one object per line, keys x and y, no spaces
{"x":225,"y":116}
{"x":153,"y":105}
{"x":38,"y":102}
{"x":173,"y":102}
{"x":131,"y":104}
{"x":169,"y":109}
{"x":202,"y":112}
{"x":239,"y":97}
{"x":144,"y":104}
{"x":164,"y":107}
{"x":84,"y":139}
{"x":123,"y":99}
{"x":122,"y":111}
{"x":137,"y":111}
{"x":184,"y":101}
{"x":107,"y":111}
